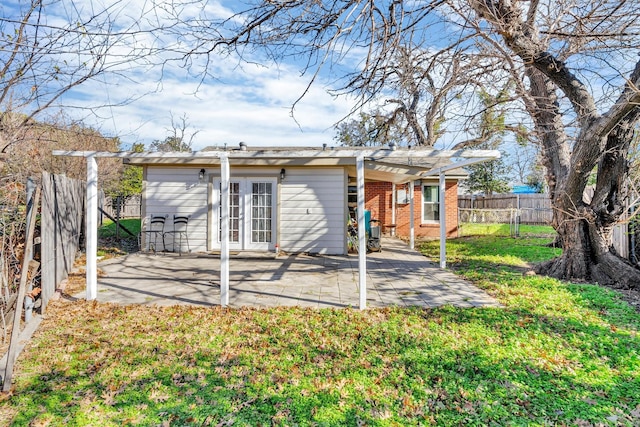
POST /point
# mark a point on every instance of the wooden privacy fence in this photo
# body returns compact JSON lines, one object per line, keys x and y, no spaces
{"x":62,"y":226}
{"x":62,"y":202}
{"x":532,"y":208}
{"x":121,"y":207}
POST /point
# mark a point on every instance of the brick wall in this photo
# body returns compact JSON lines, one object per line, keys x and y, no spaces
{"x":378,"y":200}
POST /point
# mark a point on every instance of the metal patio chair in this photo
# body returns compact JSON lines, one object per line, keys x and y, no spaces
{"x":180,"y":230}
{"x":153,"y":230}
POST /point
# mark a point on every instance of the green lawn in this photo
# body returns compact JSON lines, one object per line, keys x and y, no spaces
{"x":108,"y":228}
{"x":109,"y":245}
{"x":472,"y":229}
{"x":556,"y":354}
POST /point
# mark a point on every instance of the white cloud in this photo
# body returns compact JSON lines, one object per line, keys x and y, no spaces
{"x":240,"y":102}
{"x":253,"y":106}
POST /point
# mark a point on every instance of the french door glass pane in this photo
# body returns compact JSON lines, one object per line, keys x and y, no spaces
{"x":261,"y":196}
{"x":234,"y":213}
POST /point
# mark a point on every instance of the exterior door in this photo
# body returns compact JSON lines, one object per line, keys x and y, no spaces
{"x":251,"y":213}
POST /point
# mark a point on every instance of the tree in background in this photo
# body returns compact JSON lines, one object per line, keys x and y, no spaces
{"x":33,"y":153}
{"x":492,"y":176}
{"x":170,"y":143}
{"x":526,"y":163}
{"x":369,"y":130}
{"x":419,"y":89}
{"x":535,"y":177}
{"x":130,"y":180}
{"x":572,"y":63}
{"x":46,"y":55}
{"x":47,"y":50}
{"x":179,"y":138}
{"x":488,"y":177}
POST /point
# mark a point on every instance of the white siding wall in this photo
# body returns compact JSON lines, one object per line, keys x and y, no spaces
{"x":313,"y":211}
{"x":177,"y":191}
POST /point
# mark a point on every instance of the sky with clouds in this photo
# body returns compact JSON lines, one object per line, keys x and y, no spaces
{"x":254,"y":106}
{"x":237,"y":102}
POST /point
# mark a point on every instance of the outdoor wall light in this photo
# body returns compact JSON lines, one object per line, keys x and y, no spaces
{"x":283,"y":173}
{"x":201,"y":175}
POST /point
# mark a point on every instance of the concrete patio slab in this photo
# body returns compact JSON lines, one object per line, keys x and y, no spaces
{"x":397,"y":276}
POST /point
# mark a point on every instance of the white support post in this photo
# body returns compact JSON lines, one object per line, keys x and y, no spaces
{"x":362,"y":244}
{"x":443,"y":223}
{"x":92,"y":229}
{"x":224,"y":231}
{"x":412,"y":229}
{"x":393,"y":209}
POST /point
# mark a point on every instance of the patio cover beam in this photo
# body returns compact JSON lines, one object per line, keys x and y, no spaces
{"x":369,"y":154}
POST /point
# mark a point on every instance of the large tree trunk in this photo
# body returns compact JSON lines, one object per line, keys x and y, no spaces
{"x":572,"y":152}
{"x":584,"y":223}
{"x":588,"y":254}
{"x":575,"y":260}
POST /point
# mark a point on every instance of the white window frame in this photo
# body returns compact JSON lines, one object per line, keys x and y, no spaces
{"x":436,"y":202}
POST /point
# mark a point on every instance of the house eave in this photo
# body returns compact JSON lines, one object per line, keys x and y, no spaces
{"x":382,"y":164}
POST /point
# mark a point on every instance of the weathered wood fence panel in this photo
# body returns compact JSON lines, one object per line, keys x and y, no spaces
{"x":129,"y":207}
{"x":534,"y":208}
{"x":621,"y":239}
{"x":62,"y":226}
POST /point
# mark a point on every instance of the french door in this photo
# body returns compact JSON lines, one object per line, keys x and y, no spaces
{"x":252,"y":213}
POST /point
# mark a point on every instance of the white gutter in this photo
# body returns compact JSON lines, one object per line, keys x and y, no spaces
{"x":368,"y":154}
